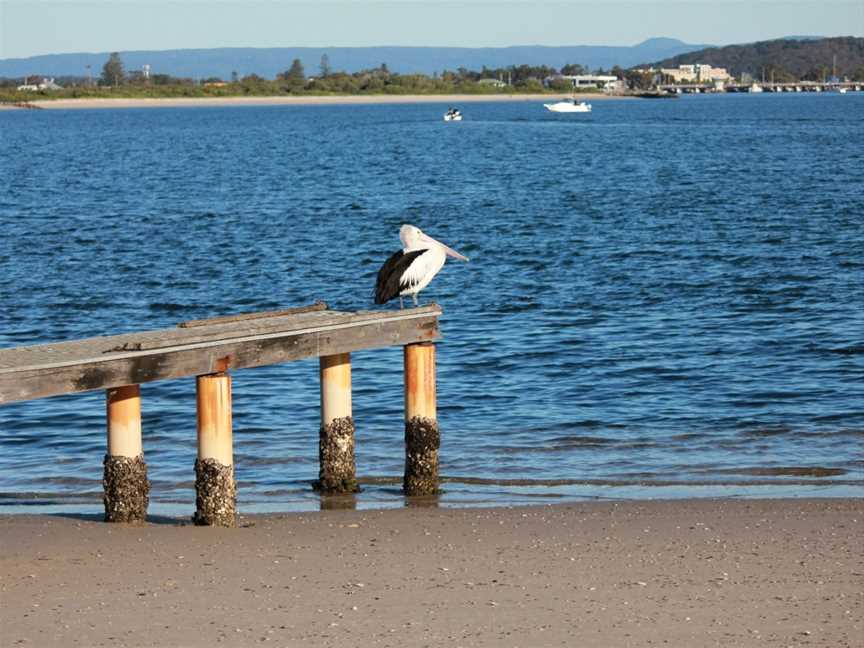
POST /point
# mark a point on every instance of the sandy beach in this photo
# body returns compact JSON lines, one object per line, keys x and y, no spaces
{"x":677,"y":573}
{"x":192,"y":102}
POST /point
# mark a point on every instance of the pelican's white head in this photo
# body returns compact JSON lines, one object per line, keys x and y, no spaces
{"x":412,"y":238}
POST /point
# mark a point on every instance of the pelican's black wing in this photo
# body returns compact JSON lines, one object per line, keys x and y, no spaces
{"x":389,"y":283}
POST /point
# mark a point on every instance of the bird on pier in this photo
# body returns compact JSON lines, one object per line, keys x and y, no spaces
{"x":410,"y":270}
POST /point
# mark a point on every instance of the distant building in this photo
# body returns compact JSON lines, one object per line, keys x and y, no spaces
{"x":44,"y":84}
{"x":695,"y":73}
{"x":601,"y":81}
{"x":495,"y":83}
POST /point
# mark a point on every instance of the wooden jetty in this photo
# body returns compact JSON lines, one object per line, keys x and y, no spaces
{"x":209,"y":349}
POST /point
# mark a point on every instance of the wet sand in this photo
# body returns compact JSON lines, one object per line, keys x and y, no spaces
{"x":684,"y":573}
{"x":192,"y":102}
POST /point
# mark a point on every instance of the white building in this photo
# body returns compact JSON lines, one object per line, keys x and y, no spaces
{"x":695,"y":73}
{"x":602,"y":81}
{"x":43,"y":84}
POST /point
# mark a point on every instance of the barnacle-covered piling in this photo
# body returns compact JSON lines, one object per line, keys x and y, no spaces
{"x":422,"y":438}
{"x":215,"y":485}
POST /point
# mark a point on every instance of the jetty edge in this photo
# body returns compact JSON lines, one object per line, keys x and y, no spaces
{"x":209,"y":350}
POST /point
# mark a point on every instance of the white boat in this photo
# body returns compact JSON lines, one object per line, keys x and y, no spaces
{"x":569,"y":106}
{"x":755,"y":88}
{"x":841,"y":90}
{"x":453,"y":114}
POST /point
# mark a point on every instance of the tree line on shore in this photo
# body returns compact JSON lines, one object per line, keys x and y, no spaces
{"x":782,"y":61}
{"x":115,"y":81}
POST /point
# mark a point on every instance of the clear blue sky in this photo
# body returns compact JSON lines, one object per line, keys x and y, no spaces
{"x":30,"y":27}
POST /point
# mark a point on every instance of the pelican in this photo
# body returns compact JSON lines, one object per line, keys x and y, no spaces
{"x":410,"y":270}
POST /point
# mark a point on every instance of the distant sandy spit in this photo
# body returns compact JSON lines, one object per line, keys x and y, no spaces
{"x":692,"y":573}
{"x":195,"y":102}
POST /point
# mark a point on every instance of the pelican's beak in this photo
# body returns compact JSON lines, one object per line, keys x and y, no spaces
{"x":455,"y":254}
{"x":447,"y":250}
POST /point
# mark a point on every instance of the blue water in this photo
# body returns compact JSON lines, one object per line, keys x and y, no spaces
{"x":664,"y":299}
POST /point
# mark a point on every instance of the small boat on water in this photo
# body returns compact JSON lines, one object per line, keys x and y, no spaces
{"x":453,"y":114}
{"x":657,"y":94}
{"x":569,"y":106}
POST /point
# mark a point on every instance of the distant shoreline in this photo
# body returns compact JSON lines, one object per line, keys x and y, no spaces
{"x":194,"y":102}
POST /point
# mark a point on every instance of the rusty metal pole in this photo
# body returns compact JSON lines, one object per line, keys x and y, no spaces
{"x":124,"y":480}
{"x":215,"y":486}
{"x":337,"y":469}
{"x":422,"y":438}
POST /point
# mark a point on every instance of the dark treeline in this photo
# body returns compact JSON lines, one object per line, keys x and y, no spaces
{"x":783,"y":60}
{"x":780,"y":60}
{"x":114,"y":80}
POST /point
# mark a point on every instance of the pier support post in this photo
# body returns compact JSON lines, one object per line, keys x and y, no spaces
{"x":422,"y":438}
{"x":337,"y":472}
{"x":124,"y":480}
{"x":215,"y":487}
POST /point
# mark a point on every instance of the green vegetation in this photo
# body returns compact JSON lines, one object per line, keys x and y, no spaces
{"x":295,"y":77}
{"x":112,"y":71}
{"x":114,"y":83}
{"x":782,"y":61}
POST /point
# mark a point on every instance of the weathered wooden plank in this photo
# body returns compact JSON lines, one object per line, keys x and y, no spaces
{"x":262,"y":327}
{"x":142,"y":340}
{"x":149,"y":340}
{"x":112,"y":370}
{"x":317,"y":306}
{"x":92,"y":349}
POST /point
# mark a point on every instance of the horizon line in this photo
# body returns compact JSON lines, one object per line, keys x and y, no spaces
{"x":463,"y":47}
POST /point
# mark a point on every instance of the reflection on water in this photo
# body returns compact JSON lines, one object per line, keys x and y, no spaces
{"x":423,"y":501}
{"x":346,"y":502}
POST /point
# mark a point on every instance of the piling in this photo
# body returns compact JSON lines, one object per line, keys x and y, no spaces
{"x":215,"y":486}
{"x":124,"y":480}
{"x":422,"y":438}
{"x":337,"y":473}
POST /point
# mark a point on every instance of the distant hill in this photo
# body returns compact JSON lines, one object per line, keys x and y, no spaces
{"x":803,"y":57}
{"x":267,"y":62}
